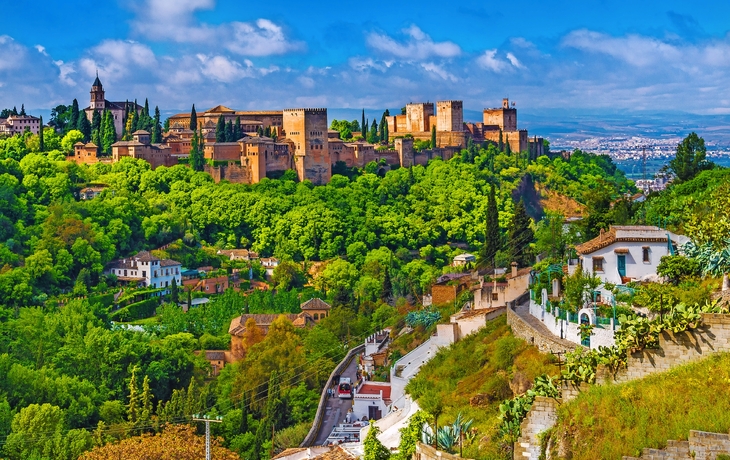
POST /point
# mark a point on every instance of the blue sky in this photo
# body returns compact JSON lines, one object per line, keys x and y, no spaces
{"x":592,"y":55}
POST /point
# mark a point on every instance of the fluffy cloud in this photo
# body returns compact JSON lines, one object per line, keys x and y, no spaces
{"x":490,"y":61}
{"x":636,"y":50}
{"x":418,"y":45}
{"x":169,"y":20}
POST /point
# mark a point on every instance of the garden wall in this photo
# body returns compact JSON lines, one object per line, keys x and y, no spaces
{"x":545,"y":342}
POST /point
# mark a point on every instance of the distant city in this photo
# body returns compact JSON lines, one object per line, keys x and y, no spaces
{"x":628,"y":152}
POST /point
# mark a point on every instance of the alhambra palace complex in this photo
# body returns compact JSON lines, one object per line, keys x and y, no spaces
{"x":304,"y":142}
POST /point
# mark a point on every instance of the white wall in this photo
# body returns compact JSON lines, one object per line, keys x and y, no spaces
{"x":635,"y":266}
{"x":602,"y":336}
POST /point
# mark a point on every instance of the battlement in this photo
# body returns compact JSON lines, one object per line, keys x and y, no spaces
{"x":450,"y":102}
{"x":314,"y":110}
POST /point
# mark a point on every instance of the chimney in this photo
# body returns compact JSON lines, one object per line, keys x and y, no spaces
{"x":514,"y":269}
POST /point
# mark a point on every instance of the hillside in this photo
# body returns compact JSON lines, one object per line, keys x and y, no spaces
{"x":474,"y":375}
{"x":610,"y":421}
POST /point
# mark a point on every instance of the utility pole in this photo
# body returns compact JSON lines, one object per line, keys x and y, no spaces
{"x":207,"y":419}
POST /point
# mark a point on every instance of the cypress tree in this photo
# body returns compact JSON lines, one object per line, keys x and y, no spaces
{"x":507,"y":149}
{"x":433,"y":137}
{"x":15,"y":111}
{"x":96,"y":128}
{"x":220,"y":130}
{"x":22,"y":110}
{"x":492,"y":236}
{"x":157,"y":128}
{"x":363,"y":124}
{"x":193,"y":119}
{"x":146,"y":401}
{"x":238,"y":130}
{"x":500,"y":146}
{"x":73,"y":124}
{"x":40,"y":136}
{"x":373,"y":135}
{"x":196,"y":160}
{"x":229,"y":131}
{"x":267,"y":131}
{"x":166,"y":125}
{"x":83,"y":125}
{"x":135,"y":119}
{"x":520,"y":236}
{"x":244,"y":414}
{"x":146,"y":110}
{"x":174,"y":292}
{"x":108,"y":134}
{"x":133,"y":407}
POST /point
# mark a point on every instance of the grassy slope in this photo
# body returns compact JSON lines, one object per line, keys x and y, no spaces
{"x":609,"y":421}
{"x":483,"y":363}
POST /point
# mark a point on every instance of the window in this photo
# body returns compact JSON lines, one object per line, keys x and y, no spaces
{"x":495,"y":296}
{"x":598,"y":264}
{"x":144,"y":274}
{"x":645,"y":253}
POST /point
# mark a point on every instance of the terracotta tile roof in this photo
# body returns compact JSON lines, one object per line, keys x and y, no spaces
{"x":290,"y":451}
{"x":623,"y":233}
{"x":238,"y":324}
{"x":520,"y":272}
{"x":144,"y":256}
{"x":315,"y":304}
{"x":169,"y":263}
{"x":373,"y":389}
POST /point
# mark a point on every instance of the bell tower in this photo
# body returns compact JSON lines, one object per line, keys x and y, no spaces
{"x":97,"y":95}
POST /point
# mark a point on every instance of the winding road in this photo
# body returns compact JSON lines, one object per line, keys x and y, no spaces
{"x":336,"y":408}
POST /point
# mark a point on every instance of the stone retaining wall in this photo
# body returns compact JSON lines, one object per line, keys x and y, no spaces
{"x":546,"y":343}
{"x":543,"y":415}
{"x":426,"y":452}
{"x":701,"y":446}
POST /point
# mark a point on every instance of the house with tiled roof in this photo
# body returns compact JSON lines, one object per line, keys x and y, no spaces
{"x":371,"y":401}
{"x":18,"y":124}
{"x":316,"y":308}
{"x":627,"y":252}
{"x":145,"y":270}
{"x":237,"y":329}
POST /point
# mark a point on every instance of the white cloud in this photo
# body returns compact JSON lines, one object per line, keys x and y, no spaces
{"x":223,"y":69}
{"x":419,"y":46}
{"x":117,"y":59}
{"x":490,"y":61}
{"x":439,"y":71}
{"x":173,"y":20}
{"x":636,"y":50}
{"x":12,"y":54}
{"x":65,"y":71}
{"x":514,"y":61}
{"x":307,"y":82}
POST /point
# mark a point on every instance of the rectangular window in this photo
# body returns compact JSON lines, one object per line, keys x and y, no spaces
{"x":645,"y":252}
{"x":495,"y":296}
{"x":598,"y":264}
{"x":144,"y":274}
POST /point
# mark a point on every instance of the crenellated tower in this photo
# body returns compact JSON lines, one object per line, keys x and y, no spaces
{"x":307,"y":131}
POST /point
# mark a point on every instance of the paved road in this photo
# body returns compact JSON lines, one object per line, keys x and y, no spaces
{"x":336,"y":408}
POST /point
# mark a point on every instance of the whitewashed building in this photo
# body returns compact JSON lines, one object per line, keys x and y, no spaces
{"x":371,"y":401}
{"x":144,"y":269}
{"x":626,"y":253}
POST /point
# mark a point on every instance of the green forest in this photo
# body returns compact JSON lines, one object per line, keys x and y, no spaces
{"x":370,"y":244}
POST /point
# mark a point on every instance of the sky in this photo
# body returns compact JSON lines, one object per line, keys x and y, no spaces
{"x":591,"y":55}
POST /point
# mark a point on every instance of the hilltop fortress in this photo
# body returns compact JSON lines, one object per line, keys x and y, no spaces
{"x":302,"y":141}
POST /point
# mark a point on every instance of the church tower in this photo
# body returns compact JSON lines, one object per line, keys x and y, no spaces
{"x":97,"y":95}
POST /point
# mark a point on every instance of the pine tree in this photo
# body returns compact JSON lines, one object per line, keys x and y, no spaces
{"x":238,"y":130}
{"x":229,"y":131}
{"x":133,"y":407}
{"x":520,"y":237}
{"x":492,"y":235}
{"x":157,"y":128}
{"x":193,"y":119}
{"x":433,"y":137}
{"x":363,"y":124}
{"x":220,"y":130}
{"x":83,"y":125}
{"x":73,"y":123}
{"x":40,"y":136}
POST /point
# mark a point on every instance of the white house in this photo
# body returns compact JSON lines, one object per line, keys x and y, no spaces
{"x":626,"y":253}
{"x":17,"y":124}
{"x":463,"y":259}
{"x":371,"y":401}
{"x":146,"y":270}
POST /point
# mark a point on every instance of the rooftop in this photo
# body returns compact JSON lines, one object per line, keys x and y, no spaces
{"x":628,"y":233}
{"x":315,"y":304}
